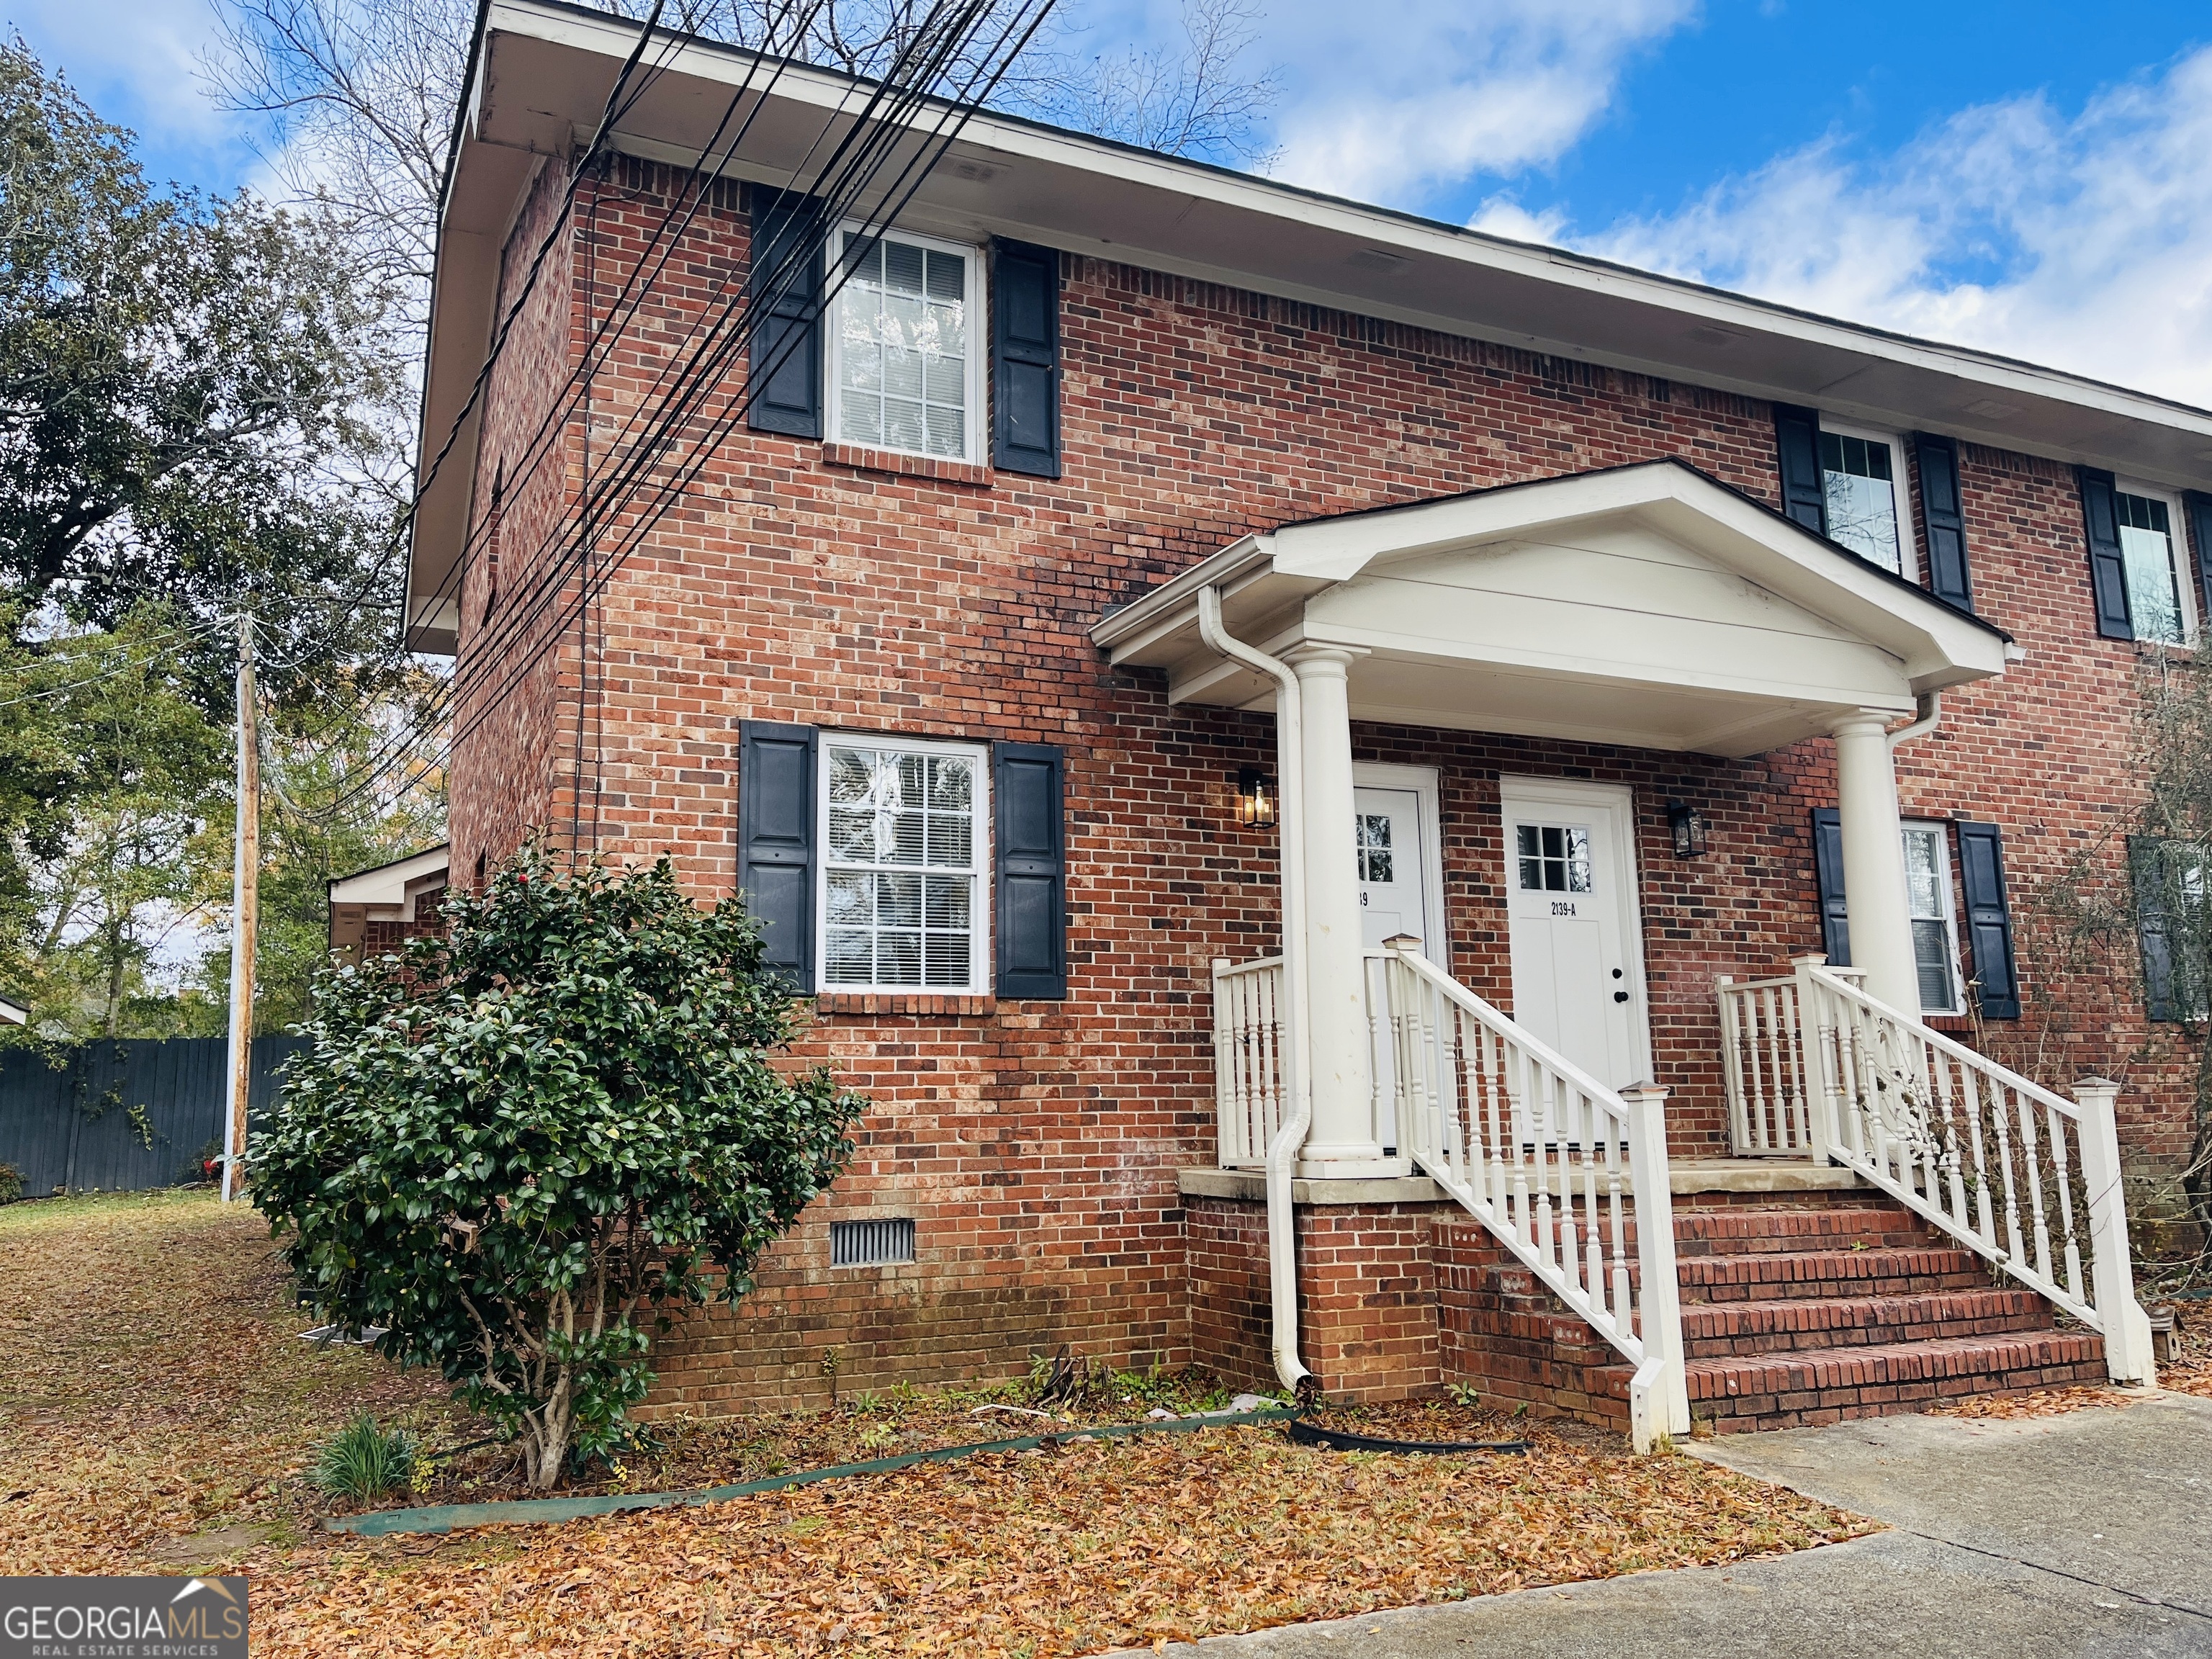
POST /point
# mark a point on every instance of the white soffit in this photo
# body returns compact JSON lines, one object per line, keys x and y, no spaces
{"x":545,"y":72}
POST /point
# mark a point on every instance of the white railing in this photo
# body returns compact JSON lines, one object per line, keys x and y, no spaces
{"x":1247,"y":1058}
{"x":2026,"y":1178}
{"x":1770,"y":1112}
{"x":1569,"y":1175}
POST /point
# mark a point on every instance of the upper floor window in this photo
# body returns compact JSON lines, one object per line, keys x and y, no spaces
{"x":905,"y":357}
{"x":1862,"y":482}
{"x":2150,"y":553}
{"x":904,"y":900}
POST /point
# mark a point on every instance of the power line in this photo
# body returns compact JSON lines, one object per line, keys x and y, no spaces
{"x":678,"y":407}
{"x":858,"y":157}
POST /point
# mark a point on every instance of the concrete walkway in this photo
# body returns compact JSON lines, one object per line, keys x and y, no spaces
{"x":2086,"y":1533}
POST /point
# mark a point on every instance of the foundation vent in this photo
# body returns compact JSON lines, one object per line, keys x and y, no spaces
{"x":871,"y":1244}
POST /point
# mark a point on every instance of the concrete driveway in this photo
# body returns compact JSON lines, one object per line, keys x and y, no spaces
{"x":2088,"y":1533}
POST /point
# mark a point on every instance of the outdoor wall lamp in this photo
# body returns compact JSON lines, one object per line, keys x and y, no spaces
{"x":1256,"y":797}
{"x":1687,"y":827}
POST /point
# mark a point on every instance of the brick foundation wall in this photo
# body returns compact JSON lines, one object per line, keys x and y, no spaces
{"x":1036,"y":1143}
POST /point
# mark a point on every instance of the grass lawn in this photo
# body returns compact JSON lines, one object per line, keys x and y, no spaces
{"x":158,"y":1411}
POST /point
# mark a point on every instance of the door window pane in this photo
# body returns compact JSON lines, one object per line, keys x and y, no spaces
{"x":1856,"y":476}
{"x":899,"y":886}
{"x":2146,"y":551}
{"x":1555,"y":858}
{"x":1373,"y":829}
{"x":902,"y":347}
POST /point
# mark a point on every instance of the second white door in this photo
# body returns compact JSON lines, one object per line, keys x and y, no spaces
{"x":1393,"y":896}
{"x":1577,"y":952}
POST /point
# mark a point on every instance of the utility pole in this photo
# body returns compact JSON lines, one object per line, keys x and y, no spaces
{"x":244,"y":917}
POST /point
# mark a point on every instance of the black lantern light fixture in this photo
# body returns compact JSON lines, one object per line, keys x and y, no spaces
{"x":1686,"y":826}
{"x":1256,"y":797}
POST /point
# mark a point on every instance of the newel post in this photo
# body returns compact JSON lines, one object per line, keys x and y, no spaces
{"x":2127,"y":1327}
{"x":1823,"y":1087}
{"x":1664,"y":1406}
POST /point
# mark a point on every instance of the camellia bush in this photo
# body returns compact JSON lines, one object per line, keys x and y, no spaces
{"x":520,"y":1149}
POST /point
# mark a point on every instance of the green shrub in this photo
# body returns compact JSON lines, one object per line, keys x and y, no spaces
{"x":517,"y":1150}
{"x":11,"y":1183}
{"x":363,"y":1462}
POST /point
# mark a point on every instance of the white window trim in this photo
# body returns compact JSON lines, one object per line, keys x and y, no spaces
{"x":979,"y":912}
{"x":1908,"y":530}
{"x":979,"y":343}
{"x":2178,"y":535}
{"x":1948,"y":904}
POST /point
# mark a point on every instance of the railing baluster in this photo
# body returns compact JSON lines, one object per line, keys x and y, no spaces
{"x":2056,"y":1122}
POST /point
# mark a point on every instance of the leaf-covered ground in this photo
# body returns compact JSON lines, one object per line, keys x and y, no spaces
{"x":157,"y":1410}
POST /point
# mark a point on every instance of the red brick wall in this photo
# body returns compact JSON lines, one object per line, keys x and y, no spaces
{"x":1036,"y":1142}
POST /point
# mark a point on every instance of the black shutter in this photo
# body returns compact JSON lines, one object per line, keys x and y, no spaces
{"x":2148,"y":865}
{"x":1828,"y":871}
{"x":784,"y":357}
{"x":1026,"y":349}
{"x":1797,"y":442}
{"x":776,"y":843}
{"x":2108,"y":573}
{"x":1031,"y":889}
{"x":2197,"y":509}
{"x":1943,"y":519}
{"x":1989,"y":921}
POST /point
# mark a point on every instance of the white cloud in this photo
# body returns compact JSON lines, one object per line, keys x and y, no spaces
{"x":144,"y":53}
{"x":1395,"y":100}
{"x":2083,"y":242}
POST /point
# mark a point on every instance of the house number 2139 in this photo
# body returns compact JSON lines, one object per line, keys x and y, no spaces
{"x":1562,"y":908}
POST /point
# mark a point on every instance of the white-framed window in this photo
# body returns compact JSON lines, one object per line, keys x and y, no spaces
{"x":905,"y":904}
{"x":907,"y":345}
{"x":1928,"y":900}
{"x":2159,"y":605}
{"x":1863,"y":479}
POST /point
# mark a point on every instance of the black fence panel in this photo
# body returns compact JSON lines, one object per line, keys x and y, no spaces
{"x":125,"y":1116}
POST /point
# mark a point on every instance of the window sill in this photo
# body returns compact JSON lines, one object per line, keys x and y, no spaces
{"x":861,"y":459}
{"x":938,"y":1003}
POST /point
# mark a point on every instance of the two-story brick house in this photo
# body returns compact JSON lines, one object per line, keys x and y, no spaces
{"x":1120,"y":556}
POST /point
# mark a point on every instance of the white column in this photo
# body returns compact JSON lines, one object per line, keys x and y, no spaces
{"x":1874,"y":862}
{"x":1342,"y":1140}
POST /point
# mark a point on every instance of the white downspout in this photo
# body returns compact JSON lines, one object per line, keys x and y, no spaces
{"x":1290,"y":817}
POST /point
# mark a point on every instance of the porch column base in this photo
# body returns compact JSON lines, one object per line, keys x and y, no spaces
{"x":1355,"y":1169}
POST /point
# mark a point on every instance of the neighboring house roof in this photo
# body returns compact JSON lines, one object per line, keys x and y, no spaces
{"x":13,"y":1013}
{"x":1648,"y":605}
{"x":539,"y":80}
{"x":395,"y":885}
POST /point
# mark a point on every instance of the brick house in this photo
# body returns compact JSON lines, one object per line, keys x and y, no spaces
{"x":1120,"y":555}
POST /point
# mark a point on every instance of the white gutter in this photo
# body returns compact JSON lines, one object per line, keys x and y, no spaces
{"x":1929,"y":715}
{"x":1290,"y":743}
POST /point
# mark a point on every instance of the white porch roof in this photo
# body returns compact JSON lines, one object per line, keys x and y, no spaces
{"x":1646,"y":605}
{"x":395,"y":887}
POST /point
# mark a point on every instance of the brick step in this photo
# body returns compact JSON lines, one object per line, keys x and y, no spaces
{"x":1721,"y":1330}
{"x":1738,"y":1231}
{"x":1828,"y":1385}
{"x":1797,"y":1274}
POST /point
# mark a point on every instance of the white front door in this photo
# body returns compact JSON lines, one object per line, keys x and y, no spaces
{"x":1393,"y":894}
{"x":1576,"y":946}
{"x":1394,"y":835}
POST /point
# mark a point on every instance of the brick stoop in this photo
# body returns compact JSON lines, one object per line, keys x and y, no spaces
{"x":1811,"y":1313}
{"x":1797,"y":1310}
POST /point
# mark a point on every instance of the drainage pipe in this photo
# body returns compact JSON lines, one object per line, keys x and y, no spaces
{"x":1298,"y":1117}
{"x":1927,"y":715}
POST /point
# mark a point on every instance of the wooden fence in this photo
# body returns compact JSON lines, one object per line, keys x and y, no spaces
{"x":122,"y":1116}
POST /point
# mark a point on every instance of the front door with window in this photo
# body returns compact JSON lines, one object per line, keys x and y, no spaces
{"x":1387,"y":829}
{"x":1577,"y":955}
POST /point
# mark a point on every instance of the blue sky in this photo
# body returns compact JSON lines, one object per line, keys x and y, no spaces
{"x":2033,"y":177}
